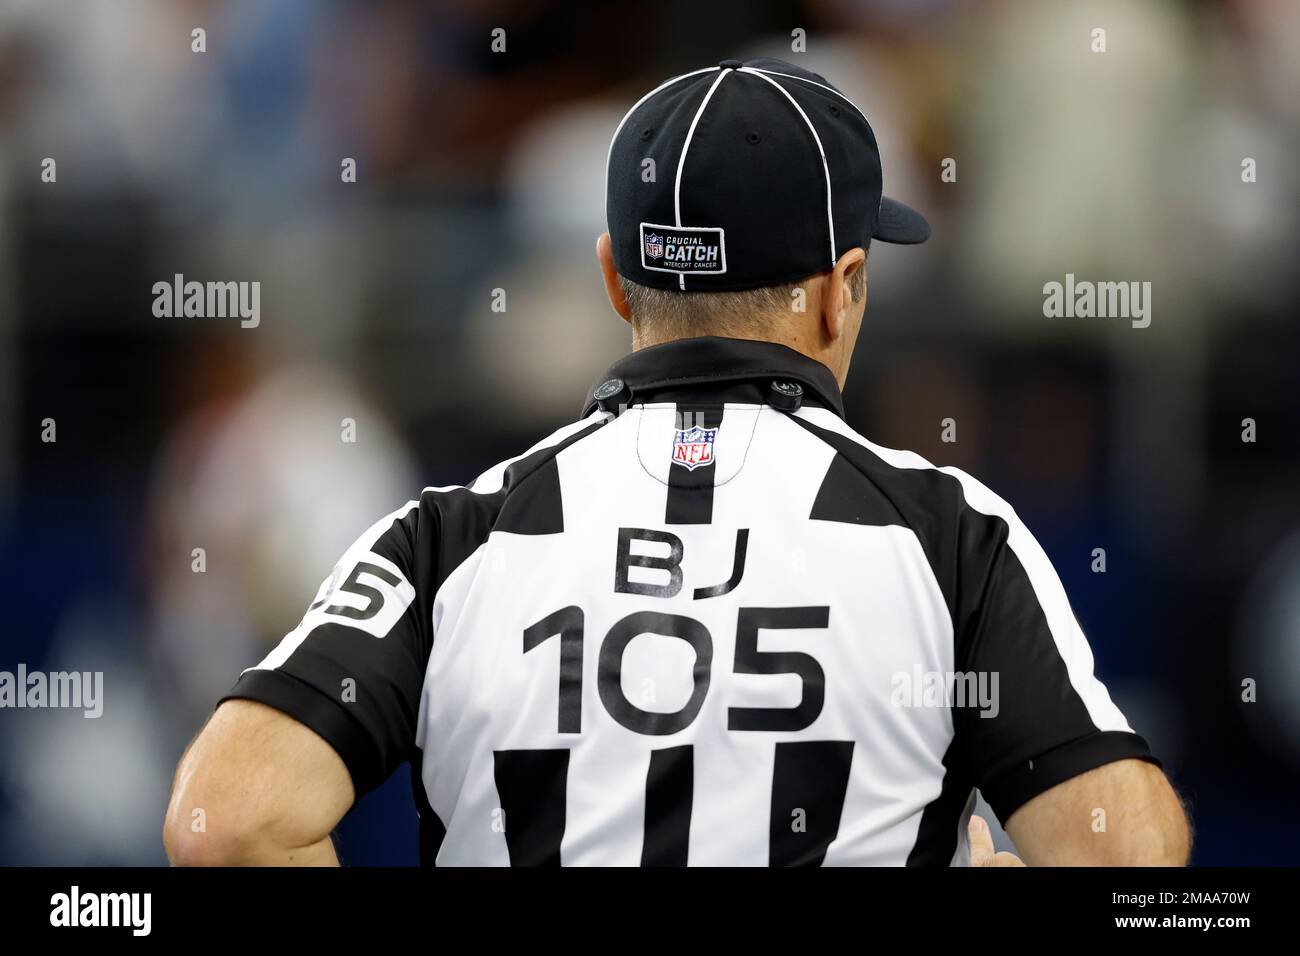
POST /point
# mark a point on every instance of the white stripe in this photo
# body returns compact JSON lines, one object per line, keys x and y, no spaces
{"x":681,"y":161}
{"x":1071,"y":643}
{"x":626,"y":116}
{"x":830,"y":218}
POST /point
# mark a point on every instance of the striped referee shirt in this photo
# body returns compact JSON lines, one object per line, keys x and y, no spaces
{"x":710,"y":624}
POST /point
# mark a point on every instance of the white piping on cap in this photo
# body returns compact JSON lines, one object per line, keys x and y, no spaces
{"x":635,"y":106}
{"x":804,"y":79}
{"x":829,"y":89}
{"x":681,"y":163}
{"x":830,"y":217}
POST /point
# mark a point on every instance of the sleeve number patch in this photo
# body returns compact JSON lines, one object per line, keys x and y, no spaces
{"x":372,"y":598}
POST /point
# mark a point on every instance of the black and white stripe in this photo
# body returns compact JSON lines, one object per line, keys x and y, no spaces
{"x":592,"y":654}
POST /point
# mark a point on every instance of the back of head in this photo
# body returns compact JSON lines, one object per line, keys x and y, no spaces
{"x":741,"y":200}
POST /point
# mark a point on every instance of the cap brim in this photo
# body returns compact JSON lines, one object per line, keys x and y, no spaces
{"x":899,"y":223}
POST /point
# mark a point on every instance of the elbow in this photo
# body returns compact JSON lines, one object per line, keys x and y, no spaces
{"x":1167,"y":840}
{"x":1171,"y":846}
{"x":249,"y":792}
{"x":1176,"y":845}
{"x":186,"y":847}
{"x":1124,"y":813}
{"x":187,"y":837}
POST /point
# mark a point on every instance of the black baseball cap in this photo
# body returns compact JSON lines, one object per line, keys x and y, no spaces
{"x":762,"y":173}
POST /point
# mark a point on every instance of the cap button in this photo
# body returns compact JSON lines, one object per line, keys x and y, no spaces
{"x":786,"y":396}
{"x":731,"y":64}
{"x":611,"y":393}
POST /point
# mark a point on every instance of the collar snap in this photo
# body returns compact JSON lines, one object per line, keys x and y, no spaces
{"x":785,"y":396}
{"x":611,"y":394}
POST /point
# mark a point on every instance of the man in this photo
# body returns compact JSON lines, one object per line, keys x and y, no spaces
{"x":708,"y":623}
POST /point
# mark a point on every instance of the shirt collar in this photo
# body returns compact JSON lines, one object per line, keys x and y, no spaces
{"x":713,"y":365}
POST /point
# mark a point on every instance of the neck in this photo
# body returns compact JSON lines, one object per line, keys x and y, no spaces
{"x":823,"y":352}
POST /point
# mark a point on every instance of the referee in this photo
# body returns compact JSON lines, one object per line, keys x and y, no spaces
{"x":707,"y":623}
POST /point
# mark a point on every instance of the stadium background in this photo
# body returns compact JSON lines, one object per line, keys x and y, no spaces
{"x":479,"y":171}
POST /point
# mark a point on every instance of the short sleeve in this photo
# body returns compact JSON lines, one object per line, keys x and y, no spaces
{"x":353,"y":668}
{"x":1050,"y":718}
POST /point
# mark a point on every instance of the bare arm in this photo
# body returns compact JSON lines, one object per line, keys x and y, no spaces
{"x":1123,"y":813}
{"x":268,"y":788}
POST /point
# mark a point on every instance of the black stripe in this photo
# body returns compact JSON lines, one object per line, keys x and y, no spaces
{"x":532,"y":786}
{"x":528,"y":502}
{"x":690,"y":493}
{"x":936,"y":836}
{"x":432,"y":829}
{"x":927,"y":501}
{"x":845,"y":497}
{"x":669,"y":792}
{"x":535,"y":506}
{"x":809,"y":781}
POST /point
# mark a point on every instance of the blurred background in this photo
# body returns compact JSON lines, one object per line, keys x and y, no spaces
{"x":478,"y":171}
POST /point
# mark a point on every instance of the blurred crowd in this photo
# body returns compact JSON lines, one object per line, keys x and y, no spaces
{"x":479,"y":171}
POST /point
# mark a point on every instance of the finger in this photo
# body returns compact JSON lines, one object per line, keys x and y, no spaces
{"x":981,"y":842}
{"x":1004,"y":858}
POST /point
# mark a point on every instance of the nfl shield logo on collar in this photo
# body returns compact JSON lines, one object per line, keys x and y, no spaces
{"x":693,"y":447}
{"x":654,"y":245}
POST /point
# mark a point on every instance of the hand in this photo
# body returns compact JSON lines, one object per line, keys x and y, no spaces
{"x":981,"y":846}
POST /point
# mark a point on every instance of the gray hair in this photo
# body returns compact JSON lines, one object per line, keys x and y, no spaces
{"x":682,"y":314}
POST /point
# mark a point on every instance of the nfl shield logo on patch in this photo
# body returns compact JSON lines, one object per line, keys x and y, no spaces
{"x":654,"y":245}
{"x":693,"y":447}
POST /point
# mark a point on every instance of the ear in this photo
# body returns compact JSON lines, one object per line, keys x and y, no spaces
{"x":613,"y":288}
{"x":837,"y":301}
